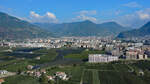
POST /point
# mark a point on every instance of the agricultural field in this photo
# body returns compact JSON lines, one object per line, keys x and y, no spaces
{"x":84,"y":54}
{"x":101,"y":66}
{"x":113,"y":77}
{"x":88,"y":77}
{"x":121,"y":67}
{"x":75,"y":72}
{"x":79,"y":71}
{"x":18,"y":79}
{"x":20,"y":58}
{"x":102,"y":73}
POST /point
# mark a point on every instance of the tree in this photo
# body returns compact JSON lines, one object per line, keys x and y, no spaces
{"x":57,"y":80}
{"x":51,"y":82}
{"x":147,"y":75}
{"x":43,"y":79}
{"x":19,"y":71}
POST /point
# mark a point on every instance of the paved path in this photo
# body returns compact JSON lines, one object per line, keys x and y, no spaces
{"x":81,"y":82}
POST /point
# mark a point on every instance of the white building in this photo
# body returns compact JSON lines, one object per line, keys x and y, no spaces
{"x":96,"y":58}
{"x":62,"y":75}
{"x":3,"y":72}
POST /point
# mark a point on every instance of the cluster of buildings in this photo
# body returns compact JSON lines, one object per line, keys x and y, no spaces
{"x":85,"y":42}
{"x":127,"y":51}
{"x":35,"y":43}
{"x":2,"y":72}
{"x":134,"y":54}
{"x":38,"y":72}
{"x":61,"y":75}
{"x":130,"y":49}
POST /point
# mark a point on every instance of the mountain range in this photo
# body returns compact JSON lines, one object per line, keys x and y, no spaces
{"x":14,"y":28}
{"x":140,"y":32}
{"x":84,"y":28}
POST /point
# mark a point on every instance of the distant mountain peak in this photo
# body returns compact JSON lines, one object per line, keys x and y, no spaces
{"x":111,"y":23}
{"x":88,"y":21}
{"x":3,"y":13}
{"x":141,"y":32}
{"x":14,"y":28}
{"x":147,"y":24}
{"x":85,"y":28}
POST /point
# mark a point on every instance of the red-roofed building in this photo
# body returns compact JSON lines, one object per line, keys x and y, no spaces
{"x":1,"y":81}
{"x":135,"y":54}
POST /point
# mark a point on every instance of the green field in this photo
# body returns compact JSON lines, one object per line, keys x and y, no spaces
{"x":122,"y":67}
{"x":88,"y":77}
{"x":120,"y":72}
{"x":84,"y":54}
{"x":105,"y":73}
{"x":18,"y":79}
{"x":101,"y":66}
{"x":96,"y":79}
{"x":15,"y":61}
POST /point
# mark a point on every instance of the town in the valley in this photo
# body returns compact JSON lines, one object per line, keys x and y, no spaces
{"x":69,"y":60}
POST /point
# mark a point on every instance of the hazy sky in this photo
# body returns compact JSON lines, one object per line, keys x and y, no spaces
{"x":126,"y":12}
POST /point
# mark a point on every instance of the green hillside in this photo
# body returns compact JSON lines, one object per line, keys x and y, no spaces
{"x":84,"y":28}
{"x":141,"y":32}
{"x":14,"y":28}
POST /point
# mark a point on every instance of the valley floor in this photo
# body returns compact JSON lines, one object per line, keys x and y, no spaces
{"x":79,"y":71}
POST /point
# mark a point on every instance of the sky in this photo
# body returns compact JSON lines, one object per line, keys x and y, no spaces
{"x":132,"y":13}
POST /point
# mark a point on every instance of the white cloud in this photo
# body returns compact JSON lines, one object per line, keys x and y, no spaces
{"x":85,"y":15}
{"x":33,"y":14}
{"x":144,"y":14}
{"x":117,"y":12}
{"x":132,"y":5}
{"x":136,"y":19}
{"x":85,"y":12}
{"x":50,"y":15}
{"x":46,"y":18}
